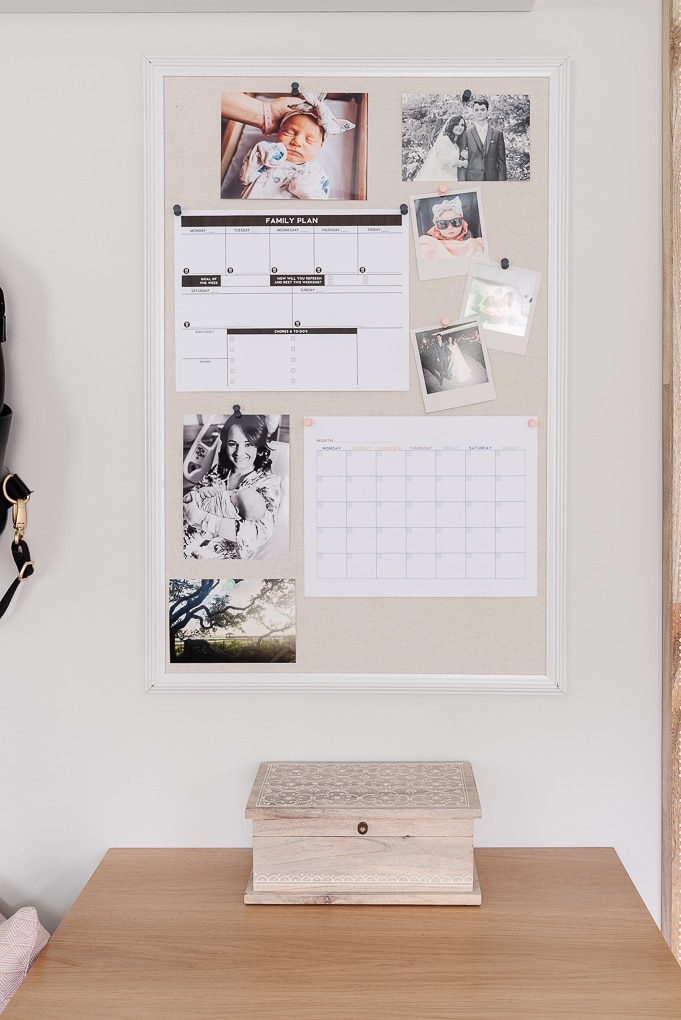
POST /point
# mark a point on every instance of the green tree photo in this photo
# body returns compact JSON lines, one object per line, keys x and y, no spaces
{"x":232,"y":620}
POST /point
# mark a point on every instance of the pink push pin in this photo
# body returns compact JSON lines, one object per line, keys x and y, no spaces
{"x":445,"y":323}
{"x":307,"y":421}
{"x":533,"y":423}
{"x":443,"y":189}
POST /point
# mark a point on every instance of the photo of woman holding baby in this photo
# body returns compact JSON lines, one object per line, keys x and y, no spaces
{"x":310,"y":146}
{"x":236,"y":479}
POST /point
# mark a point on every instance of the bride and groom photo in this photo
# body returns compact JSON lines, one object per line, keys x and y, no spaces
{"x":453,"y":365}
{"x":448,"y":138}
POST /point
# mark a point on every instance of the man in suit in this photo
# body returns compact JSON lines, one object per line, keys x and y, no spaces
{"x":486,"y":146}
{"x":442,"y":360}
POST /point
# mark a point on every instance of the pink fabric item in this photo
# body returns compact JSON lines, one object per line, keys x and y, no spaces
{"x":22,"y":937}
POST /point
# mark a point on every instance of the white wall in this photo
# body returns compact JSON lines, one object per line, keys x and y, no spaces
{"x":87,"y":759}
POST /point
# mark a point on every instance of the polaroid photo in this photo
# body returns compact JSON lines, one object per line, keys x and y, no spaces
{"x":311,"y":147}
{"x":449,"y":231}
{"x":232,"y":620}
{"x":453,"y":365}
{"x":504,"y":301}
{"x":235,"y":491}
{"x":446,"y":138}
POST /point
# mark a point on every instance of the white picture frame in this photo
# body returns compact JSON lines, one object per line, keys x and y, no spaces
{"x":551,"y":678}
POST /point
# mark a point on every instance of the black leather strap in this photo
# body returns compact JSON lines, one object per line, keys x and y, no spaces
{"x":14,"y":490}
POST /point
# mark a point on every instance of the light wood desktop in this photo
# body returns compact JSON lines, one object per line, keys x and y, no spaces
{"x":561,"y":934}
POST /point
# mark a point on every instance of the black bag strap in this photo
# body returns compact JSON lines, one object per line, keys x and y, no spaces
{"x":14,"y":495}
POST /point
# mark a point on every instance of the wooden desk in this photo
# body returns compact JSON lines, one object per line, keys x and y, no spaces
{"x":560,"y":935}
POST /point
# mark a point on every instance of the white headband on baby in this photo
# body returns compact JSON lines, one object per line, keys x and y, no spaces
{"x":314,"y":106}
{"x":453,"y":204}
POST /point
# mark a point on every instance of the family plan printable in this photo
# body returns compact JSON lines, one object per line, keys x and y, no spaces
{"x":291,"y":301}
{"x":419,"y":507}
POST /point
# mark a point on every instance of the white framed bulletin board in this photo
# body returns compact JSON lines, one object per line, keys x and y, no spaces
{"x":355,"y":375}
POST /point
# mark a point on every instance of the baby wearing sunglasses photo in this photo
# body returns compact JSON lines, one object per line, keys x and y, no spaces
{"x":449,"y":235}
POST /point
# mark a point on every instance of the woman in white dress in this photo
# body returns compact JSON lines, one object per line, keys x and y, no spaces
{"x":448,"y":158}
{"x":461,"y":370}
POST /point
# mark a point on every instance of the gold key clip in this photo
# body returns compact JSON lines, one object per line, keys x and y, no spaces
{"x":19,"y":519}
{"x":19,"y":516}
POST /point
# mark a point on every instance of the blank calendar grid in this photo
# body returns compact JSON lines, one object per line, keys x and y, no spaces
{"x":410,"y":514}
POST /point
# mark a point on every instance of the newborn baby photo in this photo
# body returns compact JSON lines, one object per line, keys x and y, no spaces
{"x":309,"y":146}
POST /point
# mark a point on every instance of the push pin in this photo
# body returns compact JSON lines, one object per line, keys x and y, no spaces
{"x":445,"y":323}
{"x":533,"y":423}
{"x":467,"y":96}
{"x":177,"y":209}
{"x":295,"y":86}
{"x":505,"y":263}
{"x":237,"y":410}
{"x":404,"y":209}
{"x":443,"y":189}
{"x":307,"y":421}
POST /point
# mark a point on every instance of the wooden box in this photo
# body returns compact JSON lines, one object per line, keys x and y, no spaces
{"x":363,"y":832}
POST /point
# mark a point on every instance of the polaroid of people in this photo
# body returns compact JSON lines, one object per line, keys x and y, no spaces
{"x":449,"y":231}
{"x":504,"y":300}
{"x":481,"y":138}
{"x":453,"y":365}
{"x":310,"y":146}
{"x":235,"y":474}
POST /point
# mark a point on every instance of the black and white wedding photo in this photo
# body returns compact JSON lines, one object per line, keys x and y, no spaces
{"x":452,"y":138}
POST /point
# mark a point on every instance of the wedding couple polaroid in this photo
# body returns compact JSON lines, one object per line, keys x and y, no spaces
{"x":453,"y":365}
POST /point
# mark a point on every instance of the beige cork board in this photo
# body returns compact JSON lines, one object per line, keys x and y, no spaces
{"x":376,"y":642}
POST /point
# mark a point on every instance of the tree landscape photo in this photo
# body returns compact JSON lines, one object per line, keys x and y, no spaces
{"x":237,"y":620}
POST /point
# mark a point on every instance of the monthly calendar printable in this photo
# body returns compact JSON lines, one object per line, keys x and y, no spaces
{"x":418,"y":507}
{"x":297,"y":301}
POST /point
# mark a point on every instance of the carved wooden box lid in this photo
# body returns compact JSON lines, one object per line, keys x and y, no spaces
{"x":326,"y":789}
